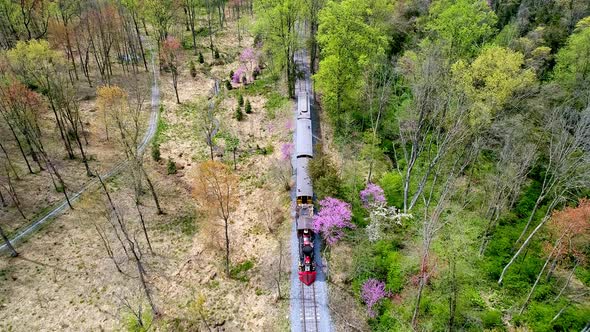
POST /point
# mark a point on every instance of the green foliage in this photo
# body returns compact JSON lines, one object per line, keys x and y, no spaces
{"x":491,"y":319}
{"x":264,"y":151}
{"x":572,"y":69}
{"x":133,"y":324}
{"x":185,"y":222}
{"x":324,"y":176}
{"x":239,"y":272}
{"x":464,"y":25}
{"x":507,"y":35}
{"x":274,"y":101}
{"x":228,"y":85}
{"x":276,"y":27}
{"x":392,"y":184}
{"x":383,"y":261}
{"x":349,"y":44}
{"x":155,"y":151}
{"x":186,"y":42}
{"x":170,"y":167}
{"x":248,"y":107}
{"x":490,"y":80}
{"x":201,"y":58}
{"x":239,"y":115}
{"x":240,"y":100}
{"x":34,"y":62}
{"x":216,"y":54}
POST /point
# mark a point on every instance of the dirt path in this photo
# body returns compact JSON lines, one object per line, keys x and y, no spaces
{"x":63,"y":205}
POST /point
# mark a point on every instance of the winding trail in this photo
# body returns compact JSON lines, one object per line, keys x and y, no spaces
{"x":309,"y":309}
{"x":92,"y":184}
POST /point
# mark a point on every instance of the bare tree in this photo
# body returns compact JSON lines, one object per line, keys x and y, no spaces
{"x":435,"y":199}
{"x":133,"y":247}
{"x":9,"y":188}
{"x":278,"y":267}
{"x":377,"y":92}
{"x":422,"y":128}
{"x":568,"y":167}
{"x":190,"y":9}
{"x":216,"y":188}
{"x":516,"y":159}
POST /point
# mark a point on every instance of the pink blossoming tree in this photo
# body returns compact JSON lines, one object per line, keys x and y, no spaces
{"x":372,"y":292}
{"x":239,"y":74}
{"x":248,"y":58}
{"x":372,"y":195}
{"x":334,"y":216}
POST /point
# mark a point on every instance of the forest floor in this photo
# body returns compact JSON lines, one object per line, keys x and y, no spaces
{"x":64,"y":279}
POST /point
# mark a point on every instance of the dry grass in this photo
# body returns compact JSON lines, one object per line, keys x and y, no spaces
{"x":64,"y":280}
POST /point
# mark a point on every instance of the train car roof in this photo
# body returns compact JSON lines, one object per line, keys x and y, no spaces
{"x":303,"y":185}
{"x":303,"y":107}
{"x":304,"y":222}
{"x":304,"y":142}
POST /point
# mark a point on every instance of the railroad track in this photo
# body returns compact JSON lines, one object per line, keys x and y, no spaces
{"x":309,"y":309}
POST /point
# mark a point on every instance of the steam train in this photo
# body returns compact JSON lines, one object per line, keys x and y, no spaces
{"x":304,"y":191}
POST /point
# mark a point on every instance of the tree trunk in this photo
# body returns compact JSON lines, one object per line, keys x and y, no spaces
{"x":423,"y":274}
{"x":107,"y":247}
{"x":4,"y":204}
{"x":59,"y":178}
{"x":13,"y":194}
{"x":532,"y":215}
{"x":69,"y":48}
{"x":528,"y":298}
{"x":62,"y":132}
{"x":226,"y":222}
{"x":151,"y":186}
{"x":528,"y":239}
{"x":280,"y":269}
{"x":10,"y":162}
{"x":567,"y":282}
{"x":175,"y":83}
{"x":140,"y":42}
{"x":20,"y":147}
{"x":13,"y":252}
{"x":418,"y":299}
{"x":208,"y":2}
{"x":145,"y":233}
{"x":84,"y":159}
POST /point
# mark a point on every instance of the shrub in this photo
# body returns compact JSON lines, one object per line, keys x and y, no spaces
{"x":248,"y":107}
{"x":193,"y":69}
{"x":171,"y":167}
{"x":239,"y":115}
{"x":238,"y":272}
{"x":228,"y":85}
{"x":201,"y":59}
{"x":133,"y":324}
{"x":240,"y":100}
{"x":156,"y":152}
{"x":324,"y":176}
{"x":392,"y":185}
